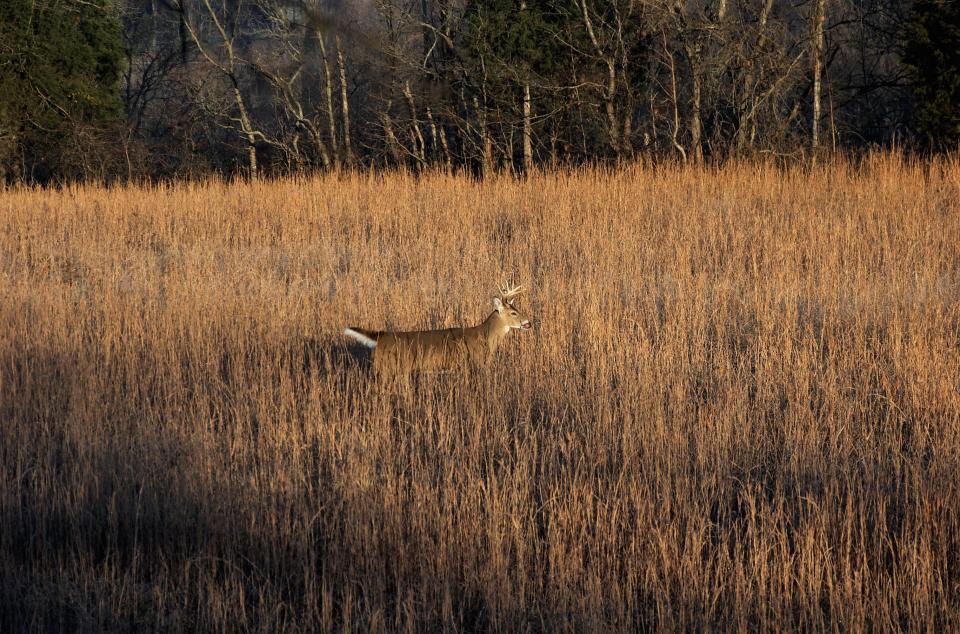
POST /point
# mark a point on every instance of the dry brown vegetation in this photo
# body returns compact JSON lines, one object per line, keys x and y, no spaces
{"x":738,"y":408}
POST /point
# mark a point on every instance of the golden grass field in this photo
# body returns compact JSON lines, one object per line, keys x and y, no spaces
{"x":738,"y":408}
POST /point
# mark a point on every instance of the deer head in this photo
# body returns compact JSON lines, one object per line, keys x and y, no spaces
{"x":505,"y":305}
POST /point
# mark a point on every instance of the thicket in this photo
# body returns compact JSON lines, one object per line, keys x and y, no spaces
{"x":60,"y":70}
{"x":184,"y":88}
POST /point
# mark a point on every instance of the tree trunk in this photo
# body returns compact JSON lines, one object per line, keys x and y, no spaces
{"x":527,"y":131}
{"x":434,"y":136}
{"x":328,"y":93}
{"x":696,"y":96}
{"x":485,"y":140}
{"x":247,"y":128}
{"x":317,"y":139}
{"x":674,"y":137}
{"x":425,"y":32}
{"x":695,"y":122}
{"x":610,"y":91}
{"x":750,"y":104}
{"x":344,"y":105}
{"x":152,"y":47}
{"x":183,"y":32}
{"x":446,"y":147}
{"x":393,"y":145}
{"x":613,"y":127}
{"x":439,"y":137}
{"x":228,"y":68}
{"x":416,"y":137}
{"x":819,"y":18}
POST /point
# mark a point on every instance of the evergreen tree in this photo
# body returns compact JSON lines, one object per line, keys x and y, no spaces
{"x":60,"y":66}
{"x":514,"y":44}
{"x":509,"y":47}
{"x":933,"y":50}
{"x":546,"y":45}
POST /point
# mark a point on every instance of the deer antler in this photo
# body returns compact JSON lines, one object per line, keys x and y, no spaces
{"x":508,"y":292}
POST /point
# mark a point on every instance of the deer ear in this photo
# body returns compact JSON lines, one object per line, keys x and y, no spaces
{"x":498,"y":304}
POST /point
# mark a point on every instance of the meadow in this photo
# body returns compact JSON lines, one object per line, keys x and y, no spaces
{"x":738,"y":409}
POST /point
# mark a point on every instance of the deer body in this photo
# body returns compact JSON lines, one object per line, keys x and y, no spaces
{"x":442,"y":350}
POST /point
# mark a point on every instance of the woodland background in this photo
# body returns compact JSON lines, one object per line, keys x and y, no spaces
{"x":133,"y":89}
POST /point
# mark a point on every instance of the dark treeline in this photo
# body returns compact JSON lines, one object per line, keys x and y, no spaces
{"x":179,"y":88}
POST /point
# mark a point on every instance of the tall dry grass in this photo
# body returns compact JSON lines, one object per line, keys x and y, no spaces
{"x":739,"y":407}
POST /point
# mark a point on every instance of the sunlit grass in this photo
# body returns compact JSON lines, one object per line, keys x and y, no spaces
{"x":738,"y":409}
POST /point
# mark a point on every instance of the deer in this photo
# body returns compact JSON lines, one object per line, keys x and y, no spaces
{"x":445,"y":350}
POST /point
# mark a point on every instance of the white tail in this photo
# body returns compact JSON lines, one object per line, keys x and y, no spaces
{"x":360,"y":337}
{"x":448,"y":349}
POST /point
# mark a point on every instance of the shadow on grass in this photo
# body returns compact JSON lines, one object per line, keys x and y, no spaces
{"x":122,"y":516}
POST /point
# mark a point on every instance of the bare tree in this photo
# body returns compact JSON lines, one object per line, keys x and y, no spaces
{"x":228,"y":62}
{"x":675,"y":132}
{"x":424,"y":87}
{"x":754,"y":64}
{"x":606,"y":53}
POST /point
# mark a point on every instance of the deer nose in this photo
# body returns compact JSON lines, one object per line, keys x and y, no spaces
{"x":526,"y":325}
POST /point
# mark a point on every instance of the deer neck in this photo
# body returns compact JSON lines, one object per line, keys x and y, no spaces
{"x":496,"y":328}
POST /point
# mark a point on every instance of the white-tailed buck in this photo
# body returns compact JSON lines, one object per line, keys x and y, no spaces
{"x":447,"y":349}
